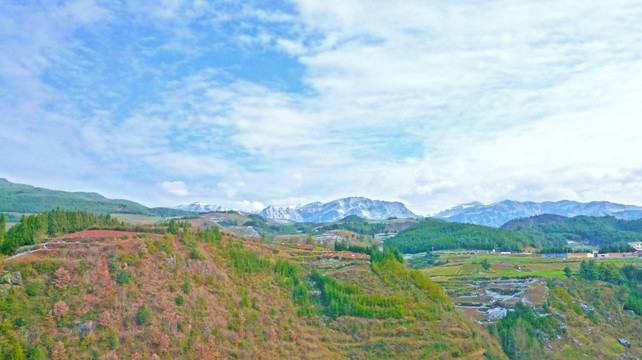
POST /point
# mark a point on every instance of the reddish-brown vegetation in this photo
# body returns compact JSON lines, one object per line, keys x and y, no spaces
{"x":302,"y":246}
{"x":97,"y":234}
{"x":61,"y":278}
{"x":345,"y":254}
{"x":60,"y":308}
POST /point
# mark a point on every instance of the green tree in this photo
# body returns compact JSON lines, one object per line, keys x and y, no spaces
{"x":568,"y":272}
{"x":172,"y":227}
{"x":37,"y":353}
{"x":16,"y":351}
{"x":485,"y":264}
{"x":588,"y":271}
{"x":34,"y":228}
{"x":3,"y":226}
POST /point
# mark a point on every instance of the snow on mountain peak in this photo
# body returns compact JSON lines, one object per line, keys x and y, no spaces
{"x":499,"y":213}
{"x":338,"y":209}
{"x":200,"y":207}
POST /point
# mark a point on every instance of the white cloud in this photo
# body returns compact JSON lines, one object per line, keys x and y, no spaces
{"x":432,"y":104}
{"x":177,"y":188}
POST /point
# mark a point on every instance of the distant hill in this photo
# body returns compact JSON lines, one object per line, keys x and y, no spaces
{"x":434,"y":234}
{"x":318,"y":212}
{"x":545,"y":231}
{"x":20,"y":198}
{"x":500,"y":213}
{"x":600,"y":231}
{"x":531,"y":221}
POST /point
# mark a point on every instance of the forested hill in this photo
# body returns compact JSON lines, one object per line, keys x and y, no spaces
{"x":544,"y":231}
{"x":439,"y":234}
{"x":531,"y":221}
{"x":605,"y":230}
{"x":21,"y":198}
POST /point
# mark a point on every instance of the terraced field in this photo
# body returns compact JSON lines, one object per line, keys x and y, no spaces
{"x":484,"y":295}
{"x":458,"y":266}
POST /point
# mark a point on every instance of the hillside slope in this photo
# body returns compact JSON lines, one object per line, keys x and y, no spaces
{"x":198,"y":295}
{"x":592,"y":230}
{"x":20,"y":198}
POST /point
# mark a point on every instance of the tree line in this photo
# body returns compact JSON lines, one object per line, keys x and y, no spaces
{"x":629,"y":276}
{"x":33,"y":229}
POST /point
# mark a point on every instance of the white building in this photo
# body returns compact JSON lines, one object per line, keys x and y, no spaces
{"x":636,"y":245}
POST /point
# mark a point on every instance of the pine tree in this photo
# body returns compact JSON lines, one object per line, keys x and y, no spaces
{"x":3,"y":225}
{"x":37,"y":353}
{"x":485,"y":264}
{"x":172,"y":227}
{"x":16,"y":351}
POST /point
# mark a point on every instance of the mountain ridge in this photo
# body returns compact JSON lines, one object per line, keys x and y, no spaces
{"x":22,"y":198}
{"x":334,"y":210}
{"x":499,"y":213}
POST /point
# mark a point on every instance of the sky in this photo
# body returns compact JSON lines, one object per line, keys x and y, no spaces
{"x":252,"y":103}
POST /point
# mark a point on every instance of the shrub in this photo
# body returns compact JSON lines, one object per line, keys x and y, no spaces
{"x":179,"y":300}
{"x":111,"y":340}
{"x":186,"y":287}
{"x":196,"y":254}
{"x":32,"y":289}
{"x":20,"y":322}
{"x":124,"y":277}
{"x":143,"y":315}
{"x":60,"y":308}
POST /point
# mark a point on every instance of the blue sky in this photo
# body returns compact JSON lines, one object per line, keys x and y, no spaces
{"x":247,"y":104}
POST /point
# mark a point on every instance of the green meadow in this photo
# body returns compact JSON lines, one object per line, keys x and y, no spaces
{"x":453,"y":265}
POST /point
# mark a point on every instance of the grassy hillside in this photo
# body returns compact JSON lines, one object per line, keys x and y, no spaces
{"x":584,"y":321}
{"x":19,"y":198}
{"x":560,"y":308}
{"x":199,"y":295}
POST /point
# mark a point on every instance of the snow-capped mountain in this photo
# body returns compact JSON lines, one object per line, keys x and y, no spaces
{"x":499,"y":213}
{"x":338,"y":209}
{"x":200,"y":207}
{"x":289,"y":213}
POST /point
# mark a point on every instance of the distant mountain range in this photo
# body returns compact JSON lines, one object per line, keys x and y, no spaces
{"x":335,"y":210}
{"x":20,"y":198}
{"x":201,"y":207}
{"x":500,"y":213}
